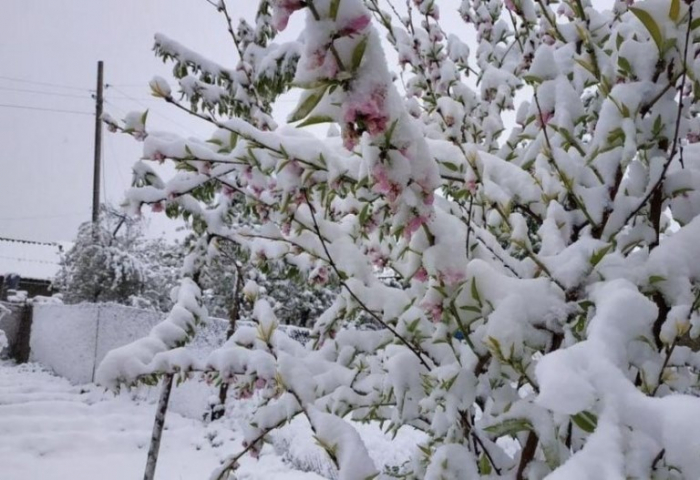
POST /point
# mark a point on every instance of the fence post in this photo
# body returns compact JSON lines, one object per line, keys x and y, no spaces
{"x":97,"y":339}
{"x":21,"y":349}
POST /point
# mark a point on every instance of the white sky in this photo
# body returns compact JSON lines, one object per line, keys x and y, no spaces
{"x":47,"y":156}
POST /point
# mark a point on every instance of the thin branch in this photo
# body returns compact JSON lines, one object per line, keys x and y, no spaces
{"x":674,"y":147}
{"x":416,"y":351}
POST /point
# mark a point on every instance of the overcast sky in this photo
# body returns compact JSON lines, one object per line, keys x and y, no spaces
{"x":49,"y":50}
{"x":47,"y":156}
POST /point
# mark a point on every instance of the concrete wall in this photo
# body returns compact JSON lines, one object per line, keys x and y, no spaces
{"x":72,"y":340}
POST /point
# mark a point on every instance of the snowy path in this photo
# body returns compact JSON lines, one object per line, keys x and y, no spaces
{"x":51,"y":430}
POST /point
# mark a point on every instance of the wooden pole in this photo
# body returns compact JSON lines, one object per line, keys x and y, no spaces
{"x":98,"y":147}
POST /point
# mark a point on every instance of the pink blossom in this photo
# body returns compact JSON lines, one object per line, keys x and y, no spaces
{"x":354,"y":26}
{"x":112,"y":128}
{"x":452,"y":276}
{"x":157,"y":207}
{"x":471,"y":186}
{"x":376,"y":257}
{"x":421,"y":275}
{"x":413,"y":225}
{"x":260,"y":383}
{"x":228,"y":191}
{"x":283,"y":10}
{"x":510,"y":5}
{"x":382,"y":184}
{"x":319,"y":276}
{"x":693,"y":137}
{"x":158,"y":156}
{"x":544,"y":118}
{"x":244,"y":393}
{"x":548,"y":39}
{"x":350,"y":136}
{"x":429,"y":198}
{"x":253,"y":450}
{"x":369,"y":112}
{"x":286,"y":228}
{"x":433,"y":310}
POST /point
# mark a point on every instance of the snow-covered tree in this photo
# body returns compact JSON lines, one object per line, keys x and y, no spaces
{"x":546,"y":289}
{"x":113,"y":262}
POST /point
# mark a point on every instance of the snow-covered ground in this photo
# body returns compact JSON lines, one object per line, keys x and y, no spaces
{"x":52,"y":430}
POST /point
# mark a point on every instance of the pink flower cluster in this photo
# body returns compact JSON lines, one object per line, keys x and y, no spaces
{"x":367,"y":114}
{"x":283,"y":10}
{"x":452,"y":276}
{"x":383,"y":185}
{"x":433,"y":309}
{"x":421,"y":275}
{"x":319,"y":276}
{"x":354,"y":26}
{"x":413,"y":226}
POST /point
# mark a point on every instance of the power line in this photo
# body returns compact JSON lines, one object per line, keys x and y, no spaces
{"x":149,"y":108}
{"x":42,"y":217}
{"x":46,"y":84}
{"x":57,"y":110}
{"x":39,"y":92}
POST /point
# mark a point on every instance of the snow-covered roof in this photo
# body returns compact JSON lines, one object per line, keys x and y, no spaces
{"x":28,"y":259}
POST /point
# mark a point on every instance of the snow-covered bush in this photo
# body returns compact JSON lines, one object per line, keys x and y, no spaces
{"x":546,"y":277}
{"x":113,"y":262}
{"x":296,"y":301}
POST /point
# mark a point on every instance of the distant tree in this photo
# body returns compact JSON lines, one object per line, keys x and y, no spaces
{"x":113,"y":262}
{"x":231,"y":269}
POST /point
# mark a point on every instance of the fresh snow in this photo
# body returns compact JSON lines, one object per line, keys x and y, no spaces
{"x":52,"y":430}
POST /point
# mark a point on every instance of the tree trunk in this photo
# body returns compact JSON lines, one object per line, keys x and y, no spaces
{"x":234,"y":312}
{"x":158,"y":424}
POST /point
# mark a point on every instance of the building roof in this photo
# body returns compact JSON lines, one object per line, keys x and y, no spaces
{"x":28,"y":259}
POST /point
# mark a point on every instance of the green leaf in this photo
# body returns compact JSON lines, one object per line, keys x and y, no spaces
{"x":695,"y":23}
{"x":307,"y":104}
{"x":475,"y":292}
{"x":509,"y":427}
{"x":451,"y":166}
{"x":624,"y":65}
{"x":144,"y":116}
{"x":585,"y":65}
{"x":656,"y":279}
{"x":359,"y":52}
{"x":586,"y":421}
{"x":599,"y":255}
{"x":314,"y":120}
{"x":532,"y":79}
{"x":469,"y":308}
{"x":335,"y":4}
{"x":675,"y":11}
{"x":484,"y":465}
{"x":650,"y":24}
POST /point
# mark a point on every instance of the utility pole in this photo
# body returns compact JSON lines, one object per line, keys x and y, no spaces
{"x":98,"y":149}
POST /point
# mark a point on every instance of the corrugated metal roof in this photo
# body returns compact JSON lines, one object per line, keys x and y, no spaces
{"x":30,"y":259}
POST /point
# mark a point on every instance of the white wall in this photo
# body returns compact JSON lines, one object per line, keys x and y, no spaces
{"x":72,"y":340}
{"x":64,"y":339}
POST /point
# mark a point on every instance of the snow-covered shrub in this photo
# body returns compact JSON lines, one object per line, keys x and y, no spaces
{"x":296,"y":302}
{"x":115,"y":263}
{"x":546,"y":276}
